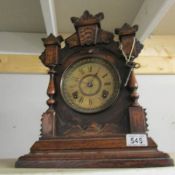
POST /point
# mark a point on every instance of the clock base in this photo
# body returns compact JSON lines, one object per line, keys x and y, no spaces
{"x":92,"y":153}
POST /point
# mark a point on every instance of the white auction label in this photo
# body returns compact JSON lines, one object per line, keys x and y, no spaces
{"x":136,"y":140}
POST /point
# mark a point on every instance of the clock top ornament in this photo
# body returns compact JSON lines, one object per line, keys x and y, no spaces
{"x":88,"y":31}
{"x":94,"y":119}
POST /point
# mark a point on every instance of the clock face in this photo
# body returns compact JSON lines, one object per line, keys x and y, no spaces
{"x":90,"y":85}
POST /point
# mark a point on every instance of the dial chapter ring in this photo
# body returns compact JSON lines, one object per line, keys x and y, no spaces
{"x":108,"y":98}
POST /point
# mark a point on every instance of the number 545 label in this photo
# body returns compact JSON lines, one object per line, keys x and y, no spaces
{"x":136,"y":140}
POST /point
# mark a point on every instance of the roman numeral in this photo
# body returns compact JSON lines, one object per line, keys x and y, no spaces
{"x":98,"y":71}
{"x":104,"y":75}
{"x":107,"y":83}
{"x":81,"y":71}
{"x":90,"y":102}
{"x":81,"y":99}
{"x":90,"y":68}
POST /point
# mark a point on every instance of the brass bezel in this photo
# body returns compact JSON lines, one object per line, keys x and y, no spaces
{"x":116,"y":77}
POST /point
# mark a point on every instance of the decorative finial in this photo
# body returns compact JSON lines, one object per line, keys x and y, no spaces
{"x":52,"y":40}
{"x":126,"y":29}
{"x":87,"y":19}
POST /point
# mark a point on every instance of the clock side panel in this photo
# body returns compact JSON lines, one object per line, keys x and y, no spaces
{"x":109,"y":122}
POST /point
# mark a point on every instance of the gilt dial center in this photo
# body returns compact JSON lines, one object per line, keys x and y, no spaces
{"x":89,"y":84}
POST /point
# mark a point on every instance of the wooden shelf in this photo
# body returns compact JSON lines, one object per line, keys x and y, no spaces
{"x":7,"y":167}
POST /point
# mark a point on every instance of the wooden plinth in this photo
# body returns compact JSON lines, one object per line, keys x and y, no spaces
{"x":92,"y":153}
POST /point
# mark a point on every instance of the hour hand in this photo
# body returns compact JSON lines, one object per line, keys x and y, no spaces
{"x":95,"y":75}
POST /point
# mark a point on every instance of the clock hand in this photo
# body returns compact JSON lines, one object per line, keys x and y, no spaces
{"x":95,"y":75}
{"x":90,"y":83}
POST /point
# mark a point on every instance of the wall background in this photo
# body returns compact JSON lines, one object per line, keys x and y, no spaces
{"x":23,"y":98}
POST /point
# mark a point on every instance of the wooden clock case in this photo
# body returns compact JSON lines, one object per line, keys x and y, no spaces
{"x":70,"y":139}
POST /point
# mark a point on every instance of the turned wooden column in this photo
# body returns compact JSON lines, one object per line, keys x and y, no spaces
{"x":137,"y":115}
{"x":133,"y":86}
{"x":50,"y":58}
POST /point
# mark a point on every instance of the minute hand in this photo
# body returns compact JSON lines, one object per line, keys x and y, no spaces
{"x":95,"y":75}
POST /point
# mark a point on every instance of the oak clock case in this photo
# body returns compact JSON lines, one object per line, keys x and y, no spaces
{"x":93,"y":102}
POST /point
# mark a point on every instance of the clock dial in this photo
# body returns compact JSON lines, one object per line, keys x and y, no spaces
{"x":90,"y":85}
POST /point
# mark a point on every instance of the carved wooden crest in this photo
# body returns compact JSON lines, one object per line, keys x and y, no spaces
{"x":88,"y":31}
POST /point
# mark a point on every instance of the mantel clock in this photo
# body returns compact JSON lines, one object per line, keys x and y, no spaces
{"x":94,"y":119}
